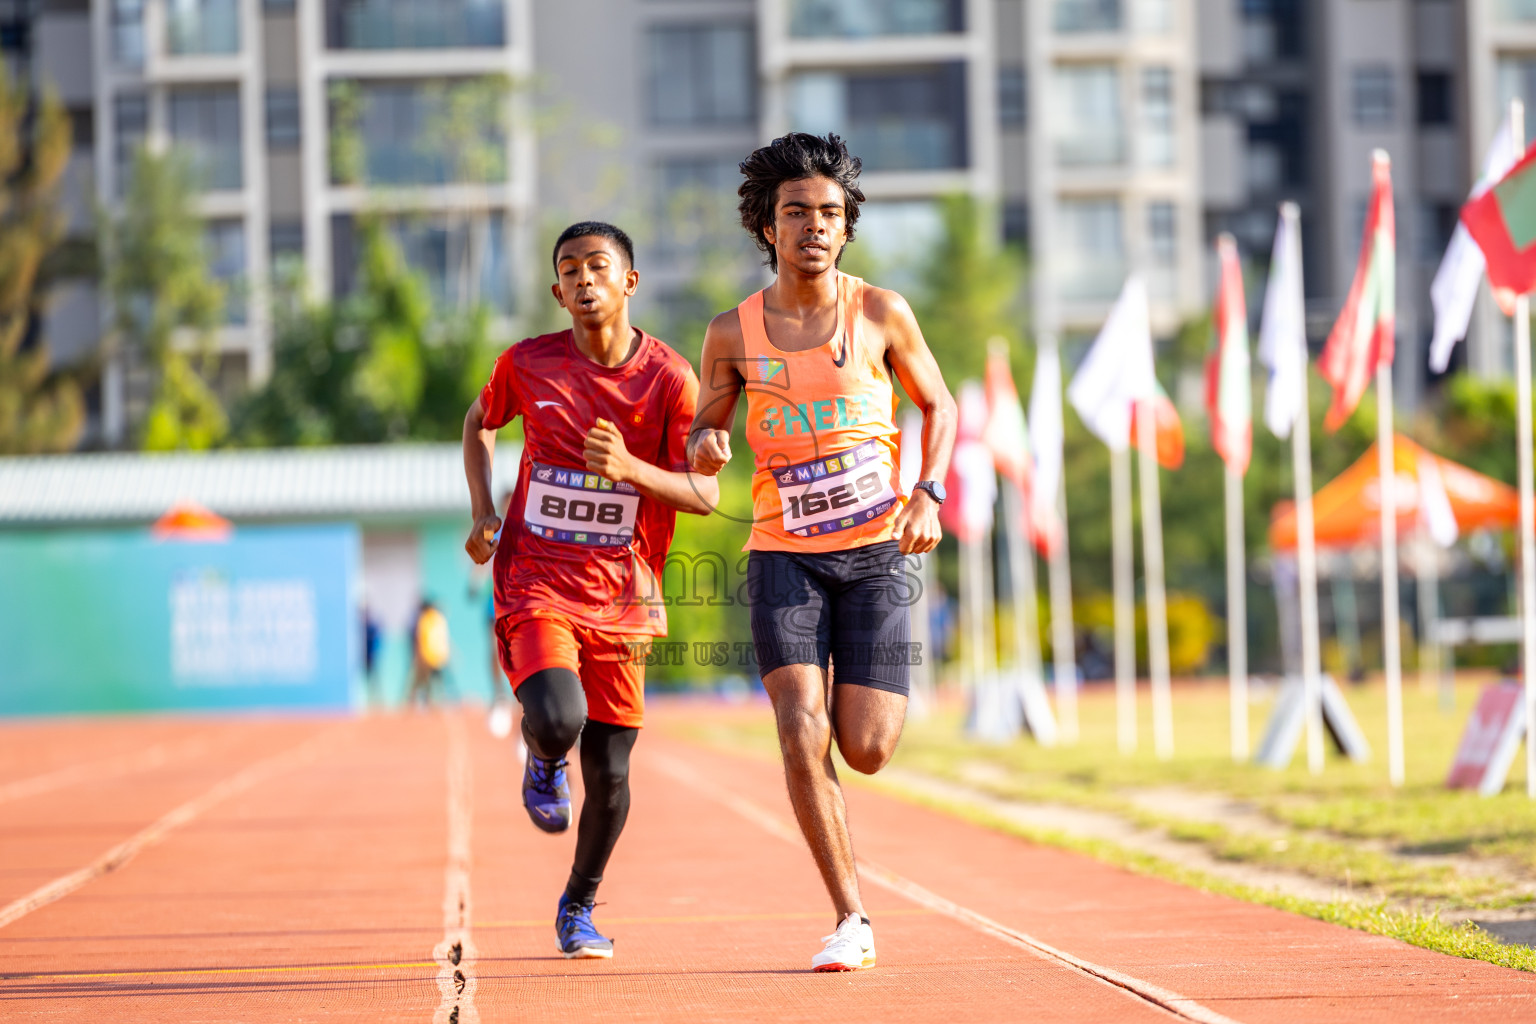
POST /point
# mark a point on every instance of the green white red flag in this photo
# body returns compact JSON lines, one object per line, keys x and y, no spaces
{"x":1502,"y":221}
{"x":1362,"y":337}
{"x":1228,"y":387}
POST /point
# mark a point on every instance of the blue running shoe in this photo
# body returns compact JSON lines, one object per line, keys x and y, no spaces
{"x":546,"y":794}
{"x":577,"y":936}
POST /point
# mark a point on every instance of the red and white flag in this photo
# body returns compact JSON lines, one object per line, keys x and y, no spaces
{"x":1362,"y":339}
{"x":1228,"y":387}
{"x":972,"y":480}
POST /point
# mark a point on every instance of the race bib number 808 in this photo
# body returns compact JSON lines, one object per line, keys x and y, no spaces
{"x":574,"y":507}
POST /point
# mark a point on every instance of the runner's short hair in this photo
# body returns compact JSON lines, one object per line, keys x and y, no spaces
{"x":795,"y":157}
{"x":598,"y":229}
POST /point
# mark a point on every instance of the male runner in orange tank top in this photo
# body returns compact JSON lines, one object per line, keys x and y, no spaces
{"x":815,"y":351}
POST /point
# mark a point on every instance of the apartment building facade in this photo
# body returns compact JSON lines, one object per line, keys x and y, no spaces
{"x":1110,"y":136}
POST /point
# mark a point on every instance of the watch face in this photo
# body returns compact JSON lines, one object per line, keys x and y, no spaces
{"x":934,"y":488}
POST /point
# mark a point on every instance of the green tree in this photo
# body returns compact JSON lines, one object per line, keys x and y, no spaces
{"x":165,"y":306}
{"x":41,"y":410}
{"x":970,"y":289}
{"x":378,"y":365}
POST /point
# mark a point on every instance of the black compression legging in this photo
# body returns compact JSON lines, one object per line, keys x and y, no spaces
{"x":554,"y":716}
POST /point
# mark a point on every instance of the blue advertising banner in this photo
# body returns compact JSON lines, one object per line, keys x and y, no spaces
{"x":120,"y":621}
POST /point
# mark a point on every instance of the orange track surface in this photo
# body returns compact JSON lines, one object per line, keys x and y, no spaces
{"x":308,"y":869}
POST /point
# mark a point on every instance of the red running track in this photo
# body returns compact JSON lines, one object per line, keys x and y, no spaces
{"x":383,"y":870}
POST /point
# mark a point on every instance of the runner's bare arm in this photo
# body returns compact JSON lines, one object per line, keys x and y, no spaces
{"x":479,"y":454}
{"x":917,"y":526}
{"x":720,"y":383}
{"x":607,"y":456}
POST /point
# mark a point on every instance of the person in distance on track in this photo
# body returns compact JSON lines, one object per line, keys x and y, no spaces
{"x":606,"y":410}
{"x":815,"y":352}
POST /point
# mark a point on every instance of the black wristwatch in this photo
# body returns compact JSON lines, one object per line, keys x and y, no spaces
{"x":933,"y":487}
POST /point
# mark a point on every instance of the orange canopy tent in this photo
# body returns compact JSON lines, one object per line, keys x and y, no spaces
{"x":188,"y":520}
{"x":1347,"y":510}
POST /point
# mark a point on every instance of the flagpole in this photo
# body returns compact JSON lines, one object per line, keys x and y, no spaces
{"x":1306,"y":544}
{"x":1527,"y":500}
{"x":1059,"y":569}
{"x":1026,"y":609}
{"x":1390,"y":612}
{"x":1237,"y":614}
{"x":1063,"y":636}
{"x":1125,"y":599}
{"x":1157,"y":601}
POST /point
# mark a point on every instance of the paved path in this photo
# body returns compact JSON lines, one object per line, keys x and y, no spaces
{"x":382,"y":870}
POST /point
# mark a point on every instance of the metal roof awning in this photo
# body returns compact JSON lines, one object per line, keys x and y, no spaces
{"x":352,"y":482}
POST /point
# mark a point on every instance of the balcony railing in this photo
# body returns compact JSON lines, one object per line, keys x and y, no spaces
{"x":812,"y":19}
{"x":902,"y":144}
{"x":1086,"y":16}
{"x":202,"y":27}
{"x":414,"y":24}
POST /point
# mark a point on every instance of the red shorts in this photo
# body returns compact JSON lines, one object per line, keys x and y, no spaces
{"x":611,"y":666}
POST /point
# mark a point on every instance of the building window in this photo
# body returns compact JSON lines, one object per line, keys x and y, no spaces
{"x":205,"y":122}
{"x":1374,"y":102}
{"x":1435,"y":101}
{"x":912,"y":120}
{"x":1163,"y":248}
{"x":1516,"y":80}
{"x":225,"y":241}
{"x":1016,"y":223}
{"x":128,"y":32}
{"x":414,"y":24}
{"x":464,"y":264}
{"x":285,"y":243}
{"x":202,"y":26}
{"x":1437,"y":222}
{"x":1086,"y":16}
{"x":1090,"y":249}
{"x":278,"y":5}
{"x":283,"y":124}
{"x":696,"y":205}
{"x":702,"y":75}
{"x":1159,"y":146}
{"x":130,"y":124}
{"x":1012,"y":97}
{"x":1086,"y":115}
{"x":401,"y":133}
{"x":864,"y":18}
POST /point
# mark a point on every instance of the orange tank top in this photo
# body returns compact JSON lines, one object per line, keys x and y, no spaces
{"x":822,"y":427}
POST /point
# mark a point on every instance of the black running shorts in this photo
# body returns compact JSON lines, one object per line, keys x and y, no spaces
{"x":851,"y":606}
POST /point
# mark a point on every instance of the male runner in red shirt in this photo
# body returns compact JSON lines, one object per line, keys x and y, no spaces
{"x":606,"y":410}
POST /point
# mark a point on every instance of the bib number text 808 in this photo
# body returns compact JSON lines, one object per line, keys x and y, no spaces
{"x":580,"y":510}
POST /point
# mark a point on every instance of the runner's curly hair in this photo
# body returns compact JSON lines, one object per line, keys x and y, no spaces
{"x":795,"y":157}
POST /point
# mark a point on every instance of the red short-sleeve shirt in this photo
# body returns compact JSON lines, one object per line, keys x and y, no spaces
{"x":586,"y":549}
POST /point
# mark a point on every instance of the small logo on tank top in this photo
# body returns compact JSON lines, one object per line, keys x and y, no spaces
{"x":842,"y":357}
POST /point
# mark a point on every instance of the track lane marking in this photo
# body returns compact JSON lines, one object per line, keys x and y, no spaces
{"x":1155,"y":995}
{"x":455,"y":954}
{"x":800,"y":915}
{"x":106,"y":768}
{"x":179,"y":971}
{"x":119,"y":855}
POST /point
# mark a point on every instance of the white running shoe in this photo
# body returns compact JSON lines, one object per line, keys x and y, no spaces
{"x":850,"y":948}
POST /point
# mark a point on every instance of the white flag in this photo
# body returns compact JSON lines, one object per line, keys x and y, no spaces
{"x":1117,"y":372}
{"x":1046,"y":432}
{"x":1283,"y":333}
{"x":1454,"y":290}
{"x":1435,"y":512}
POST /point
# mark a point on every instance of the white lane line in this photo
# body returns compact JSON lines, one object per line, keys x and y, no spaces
{"x":1180,"y":1006}
{"x":126,"y":850}
{"x":106,"y":768}
{"x":455,"y":954}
